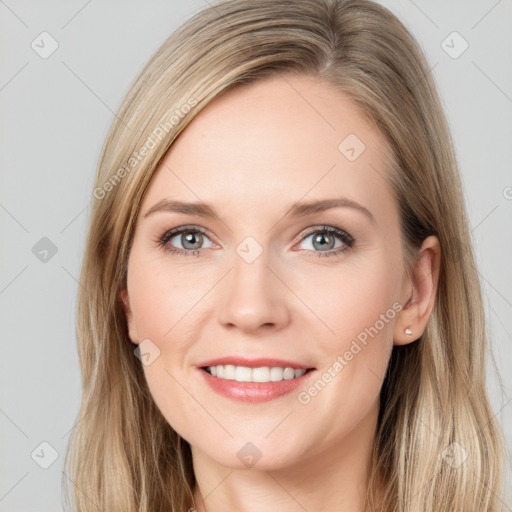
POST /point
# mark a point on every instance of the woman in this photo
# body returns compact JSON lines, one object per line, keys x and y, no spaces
{"x":324,"y":347}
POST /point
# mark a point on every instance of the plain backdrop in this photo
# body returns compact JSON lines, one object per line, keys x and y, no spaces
{"x":55,"y":112}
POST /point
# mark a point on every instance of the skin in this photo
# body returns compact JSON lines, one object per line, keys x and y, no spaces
{"x":252,"y":153}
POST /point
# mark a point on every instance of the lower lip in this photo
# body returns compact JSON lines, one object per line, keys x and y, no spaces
{"x":253,"y":391}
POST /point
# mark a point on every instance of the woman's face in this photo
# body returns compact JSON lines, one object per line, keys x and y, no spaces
{"x":259,"y":276}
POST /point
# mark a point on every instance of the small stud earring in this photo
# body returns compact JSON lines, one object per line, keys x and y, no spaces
{"x":408,"y":331}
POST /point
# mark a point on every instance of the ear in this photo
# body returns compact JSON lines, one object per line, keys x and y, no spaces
{"x":132,"y":328}
{"x":420,"y":294}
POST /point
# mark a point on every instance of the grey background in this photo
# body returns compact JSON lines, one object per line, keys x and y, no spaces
{"x":55,"y":115}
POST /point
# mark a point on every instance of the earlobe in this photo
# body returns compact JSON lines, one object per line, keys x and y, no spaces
{"x":420,"y":301}
{"x":132,"y":330}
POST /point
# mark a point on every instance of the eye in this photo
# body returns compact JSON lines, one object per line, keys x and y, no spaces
{"x":189,"y":239}
{"x":323,"y":241}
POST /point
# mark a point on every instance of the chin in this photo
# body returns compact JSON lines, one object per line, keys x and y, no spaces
{"x":257,"y":455}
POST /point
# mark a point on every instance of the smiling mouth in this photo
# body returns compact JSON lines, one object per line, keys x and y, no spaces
{"x":261,"y":374}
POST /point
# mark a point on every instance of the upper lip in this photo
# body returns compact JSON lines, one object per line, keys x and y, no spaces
{"x":253,"y":363}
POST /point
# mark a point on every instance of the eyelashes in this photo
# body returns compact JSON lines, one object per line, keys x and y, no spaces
{"x":163,"y":241}
{"x":346,"y":239}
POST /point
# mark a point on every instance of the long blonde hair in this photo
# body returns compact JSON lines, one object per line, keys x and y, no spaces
{"x":438,"y":446}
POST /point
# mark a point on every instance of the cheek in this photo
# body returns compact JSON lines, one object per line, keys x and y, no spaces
{"x":352,"y":298}
{"x":164,"y":295}
{"x":164,"y":300}
{"x":359,"y":307}
{"x":176,"y":400}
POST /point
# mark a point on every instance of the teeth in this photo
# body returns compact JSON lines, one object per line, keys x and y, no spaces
{"x":276,"y":374}
{"x":261,"y":374}
{"x":229,"y":372}
{"x":288,"y":373}
{"x":242,"y":374}
{"x":246,"y":374}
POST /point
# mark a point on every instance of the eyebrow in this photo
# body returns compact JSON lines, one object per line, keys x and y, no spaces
{"x":299,"y":209}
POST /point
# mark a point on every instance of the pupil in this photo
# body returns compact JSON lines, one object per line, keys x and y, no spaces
{"x":321,"y":238}
{"x":189,"y":237}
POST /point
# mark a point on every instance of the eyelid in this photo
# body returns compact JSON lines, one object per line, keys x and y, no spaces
{"x":171,"y":233}
{"x":330,"y":229}
{"x":347,"y":241}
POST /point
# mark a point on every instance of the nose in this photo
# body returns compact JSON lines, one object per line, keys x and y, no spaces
{"x":253,"y":297}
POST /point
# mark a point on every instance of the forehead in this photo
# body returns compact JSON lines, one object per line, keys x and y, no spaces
{"x":275,"y":141}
